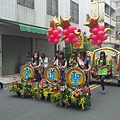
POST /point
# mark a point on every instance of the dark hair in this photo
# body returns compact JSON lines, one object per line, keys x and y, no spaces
{"x":83,"y":54}
{"x":104,"y":58}
{"x":75,"y":58}
{"x":62,"y":60}
{"x":43,"y":55}
{"x":55,"y":54}
{"x":37,"y":56}
{"x":61,"y":53}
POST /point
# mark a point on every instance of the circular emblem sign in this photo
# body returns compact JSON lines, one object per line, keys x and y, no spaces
{"x":27,"y":72}
{"x":52,"y":73}
{"x":75,"y":77}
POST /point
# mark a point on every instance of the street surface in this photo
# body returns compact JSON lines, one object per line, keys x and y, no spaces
{"x":104,"y":107}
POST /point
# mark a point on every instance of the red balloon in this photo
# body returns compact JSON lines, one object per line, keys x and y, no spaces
{"x":56,"y":41}
{"x":58,"y":37}
{"x":50,"y":41}
{"x":52,"y":37}
{"x":99,"y":42}
{"x":101,"y":28}
{"x":94,"y":42}
{"x":65,"y":32}
{"x":55,"y":33}
{"x":71,"y":36}
{"x":47,"y":35}
{"x":70,"y":29}
{"x":100,"y":34}
{"x":59,"y":30}
{"x":51,"y":29}
{"x":67,"y":40}
{"x":74,"y":28}
{"x":94,"y":37}
{"x":104,"y":37}
{"x":95,"y":31}
{"x":74,"y":40}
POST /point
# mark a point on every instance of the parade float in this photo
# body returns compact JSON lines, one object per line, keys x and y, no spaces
{"x":74,"y":91}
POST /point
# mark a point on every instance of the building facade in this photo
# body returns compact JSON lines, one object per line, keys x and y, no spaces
{"x":106,"y":9}
{"x":23,"y":27}
{"x":117,"y":19}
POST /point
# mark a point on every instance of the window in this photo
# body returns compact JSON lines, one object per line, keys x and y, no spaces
{"x":27,"y":3}
{"x":118,"y":4}
{"x":118,"y":11}
{"x":107,"y":9}
{"x":87,"y":17}
{"x":118,"y":19}
{"x":107,"y":26}
{"x":74,"y":12}
{"x":52,"y":7}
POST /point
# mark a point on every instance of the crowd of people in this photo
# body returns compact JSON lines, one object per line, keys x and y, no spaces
{"x":78,"y":59}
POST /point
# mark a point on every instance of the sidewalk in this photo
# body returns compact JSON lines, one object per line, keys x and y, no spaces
{"x":10,"y":78}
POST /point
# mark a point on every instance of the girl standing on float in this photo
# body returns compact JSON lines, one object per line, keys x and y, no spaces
{"x":84,"y":64}
{"x":36,"y":65}
{"x":103,"y":65}
{"x":56,"y":57}
{"x":73,"y":61}
{"x":45,"y":62}
{"x":61,"y":62}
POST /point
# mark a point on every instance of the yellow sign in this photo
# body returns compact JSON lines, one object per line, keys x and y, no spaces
{"x":52,"y":73}
{"x":27,"y":72}
{"x":79,"y":44}
{"x":75,"y":77}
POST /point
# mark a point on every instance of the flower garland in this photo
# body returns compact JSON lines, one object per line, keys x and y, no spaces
{"x":63,"y":94}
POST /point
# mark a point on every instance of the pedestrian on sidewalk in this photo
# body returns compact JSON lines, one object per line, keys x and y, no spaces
{"x":103,"y":66}
{"x":1,"y":84}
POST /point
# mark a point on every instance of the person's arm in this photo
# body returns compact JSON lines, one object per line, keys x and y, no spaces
{"x":65,"y":64}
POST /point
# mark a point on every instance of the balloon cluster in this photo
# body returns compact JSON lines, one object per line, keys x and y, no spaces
{"x":65,"y":32}
{"x":98,"y":35}
{"x":69,"y":35}
{"x":54,"y":35}
{"x":97,"y":31}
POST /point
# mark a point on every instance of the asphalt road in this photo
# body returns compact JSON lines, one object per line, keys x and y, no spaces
{"x":104,"y":107}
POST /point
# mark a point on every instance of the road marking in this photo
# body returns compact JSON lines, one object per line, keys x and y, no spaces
{"x":96,"y":86}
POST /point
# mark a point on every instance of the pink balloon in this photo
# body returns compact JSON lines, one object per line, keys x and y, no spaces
{"x":94,"y":37}
{"x":104,"y":37}
{"x":94,"y":42}
{"x":101,"y":28}
{"x":74,"y":40}
{"x":59,"y":30}
{"x":99,"y":42}
{"x":58,"y":37}
{"x":56,"y":41}
{"x":70,"y":29}
{"x":65,"y":32}
{"x":52,"y":37}
{"x":50,"y":41}
{"x":55,"y":33}
{"x":95,"y":31}
{"x":67,"y":40}
{"x":71,"y":36}
{"x":51,"y":29}
{"x":47,"y":35}
{"x":100,"y":34}
{"x":74,"y":28}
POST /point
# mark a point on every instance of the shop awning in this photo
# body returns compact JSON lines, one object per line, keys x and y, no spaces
{"x":27,"y":28}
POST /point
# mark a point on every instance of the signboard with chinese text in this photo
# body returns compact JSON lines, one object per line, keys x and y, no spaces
{"x":52,"y":73}
{"x":80,"y":43}
{"x":27,"y":72}
{"x":75,"y":77}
